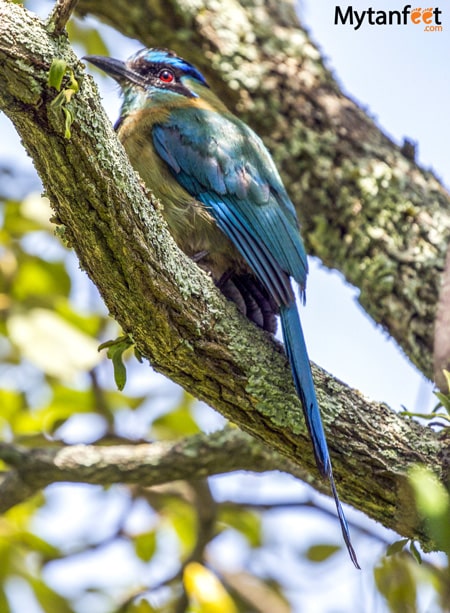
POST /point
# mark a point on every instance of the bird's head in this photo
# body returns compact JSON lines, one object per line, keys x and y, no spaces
{"x":153,"y":77}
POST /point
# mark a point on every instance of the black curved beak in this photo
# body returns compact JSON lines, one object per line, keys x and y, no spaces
{"x":116,"y":69}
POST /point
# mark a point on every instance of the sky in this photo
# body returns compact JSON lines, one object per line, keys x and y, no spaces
{"x":398,"y":73}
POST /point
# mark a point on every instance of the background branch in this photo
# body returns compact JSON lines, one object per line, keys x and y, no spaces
{"x":145,"y":465}
{"x":194,"y":458}
{"x":61,"y":14}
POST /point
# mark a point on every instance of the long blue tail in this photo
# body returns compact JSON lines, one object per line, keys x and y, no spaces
{"x":301,"y":372}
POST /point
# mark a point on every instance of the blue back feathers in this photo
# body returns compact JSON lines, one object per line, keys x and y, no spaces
{"x":224,"y":165}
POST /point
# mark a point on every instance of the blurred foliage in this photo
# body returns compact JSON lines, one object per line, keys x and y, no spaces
{"x":147,"y":549}
{"x":433,"y":503}
{"x":403,"y":576}
{"x":205,"y":591}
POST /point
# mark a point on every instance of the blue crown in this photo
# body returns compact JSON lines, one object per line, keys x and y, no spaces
{"x":166,"y":57}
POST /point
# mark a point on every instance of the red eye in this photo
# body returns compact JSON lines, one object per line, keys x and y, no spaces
{"x":166,"y":76}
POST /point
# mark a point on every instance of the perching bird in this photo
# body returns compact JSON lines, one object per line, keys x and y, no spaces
{"x":224,"y":202}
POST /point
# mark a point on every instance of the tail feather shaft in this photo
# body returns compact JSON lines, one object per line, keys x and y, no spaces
{"x":301,"y":373}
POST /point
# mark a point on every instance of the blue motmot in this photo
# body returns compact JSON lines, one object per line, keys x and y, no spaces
{"x":225,"y":205}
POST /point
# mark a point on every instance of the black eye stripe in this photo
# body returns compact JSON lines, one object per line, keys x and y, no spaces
{"x":153,"y":74}
{"x":147,"y":69}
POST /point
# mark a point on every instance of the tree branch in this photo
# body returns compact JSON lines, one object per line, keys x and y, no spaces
{"x":146,"y":465}
{"x":366,"y":208}
{"x":178,"y":319}
{"x":196,"y":457}
{"x":61,"y":14}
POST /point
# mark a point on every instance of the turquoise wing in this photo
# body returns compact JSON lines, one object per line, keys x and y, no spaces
{"x":224,"y":164}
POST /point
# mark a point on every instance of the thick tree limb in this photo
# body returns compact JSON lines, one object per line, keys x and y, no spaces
{"x":145,"y":465}
{"x":366,"y":208}
{"x":178,"y":319}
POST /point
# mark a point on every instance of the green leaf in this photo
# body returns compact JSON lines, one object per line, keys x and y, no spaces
{"x":11,"y":403}
{"x":90,"y":323}
{"x":74,"y":86}
{"x":56,"y":73}
{"x":124,"y":340}
{"x":37,"y":279}
{"x":20,"y":517}
{"x":178,"y":422}
{"x":142,"y":606}
{"x":145,"y":545}
{"x":15,"y":223}
{"x":49,"y":600}
{"x":64,"y":402}
{"x":4,"y":604}
{"x":431,"y":496}
{"x":120,"y":372}
{"x":205,"y":591}
{"x":444,"y":401}
{"x":396,"y":547}
{"x":395,"y":580}
{"x":7,"y":556}
{"x":61,"y":101}
{"x":116,"y":349}
{"x":180,"y":516}
{"x":34,"y":543}
{"x":447,"y":377}
{"x":67,"y":122}
{"x":247,"y":522}
{"x":433,"y":504}
{"x":174,"y":424}
{"x":415,"y":552}
{"x":320,"y":553}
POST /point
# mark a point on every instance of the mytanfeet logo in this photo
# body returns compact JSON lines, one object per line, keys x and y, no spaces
{"x":429,"y":18}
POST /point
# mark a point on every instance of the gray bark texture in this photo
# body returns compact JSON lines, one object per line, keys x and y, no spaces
{"x":366,"y":209}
